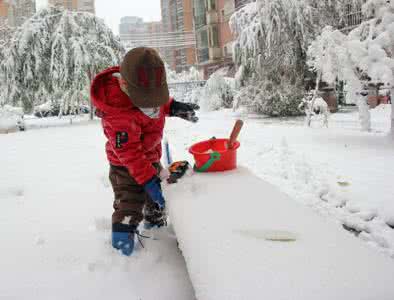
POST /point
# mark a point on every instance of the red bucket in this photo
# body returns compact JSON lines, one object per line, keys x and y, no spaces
{"x":214,"y":156}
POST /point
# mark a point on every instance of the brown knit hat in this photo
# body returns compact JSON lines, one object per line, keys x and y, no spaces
{"x":145,"y":75}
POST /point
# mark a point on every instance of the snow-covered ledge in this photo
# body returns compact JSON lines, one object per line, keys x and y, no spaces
{"x":223,"y":223}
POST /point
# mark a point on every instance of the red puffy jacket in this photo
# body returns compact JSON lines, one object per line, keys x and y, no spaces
{"x":134,"y":139}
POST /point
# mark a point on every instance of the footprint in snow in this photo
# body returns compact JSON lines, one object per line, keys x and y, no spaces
{"x":12,"y":192}
{"x":102,"y":224}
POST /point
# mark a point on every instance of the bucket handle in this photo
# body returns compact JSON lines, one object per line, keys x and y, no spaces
{"x":214,"y":156}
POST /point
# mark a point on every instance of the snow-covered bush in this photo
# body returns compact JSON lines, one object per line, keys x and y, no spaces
{"x":50,"y":109}
{"x":314,"y":105}
{"x":186,"y":76}
{"x":183,"y":85}
{"x":364,"y":55}
{"x":272,"y":38}
{"x":217,"y":93}
{"x":53,"y":57}
{"x":11,"y":119}
{"x":269,"y":99}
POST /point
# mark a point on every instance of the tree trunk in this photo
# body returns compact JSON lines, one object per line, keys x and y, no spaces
{"x":364,"y":114}
{"x":91,"y":107}
{"x":392,"y":112}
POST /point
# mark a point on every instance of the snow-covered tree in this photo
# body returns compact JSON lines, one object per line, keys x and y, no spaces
{"x":5,"y":32}
{"x":270,"y":50}
{"x":217,"y":93}
{"x":365,"y":55}
{"x":53,"y":57}
{"x":185,"y":85}
{"x":190,"y":75}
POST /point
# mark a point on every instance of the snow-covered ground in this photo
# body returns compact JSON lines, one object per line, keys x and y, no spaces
{"x":228,"y":226}
{"x":55,"y":225}
{"x":341,"y":172}
{"x":57,"y":200}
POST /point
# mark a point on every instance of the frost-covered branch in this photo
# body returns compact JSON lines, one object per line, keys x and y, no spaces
{"x":270,"y":49}
{"x":53,"y":56}
{"x":363,"y":56}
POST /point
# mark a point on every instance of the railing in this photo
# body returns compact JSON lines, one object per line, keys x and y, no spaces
{"x":352,"y":20}
{"x":182,"y":91}
{"x":187,"y":85}
{"x":203,"y":55}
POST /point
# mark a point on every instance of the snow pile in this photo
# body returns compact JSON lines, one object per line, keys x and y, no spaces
{"x":340,"y":172}
{"x":11,"y":119}
{"x":313,"y":106}
{"x":224,"y":224}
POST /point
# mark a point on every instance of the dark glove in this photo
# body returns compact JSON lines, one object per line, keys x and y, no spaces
{"x":153,"y":189}
{"x":185,"y":111}
{"x":177,"y":171}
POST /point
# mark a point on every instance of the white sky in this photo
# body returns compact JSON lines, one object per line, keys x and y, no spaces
{"x":112,"y":10}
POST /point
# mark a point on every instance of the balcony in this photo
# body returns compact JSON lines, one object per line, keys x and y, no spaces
{"x":215,"y":53}
{"x":212,"y":17}
{"x":200,"y":21}
{"x":203,"y":55}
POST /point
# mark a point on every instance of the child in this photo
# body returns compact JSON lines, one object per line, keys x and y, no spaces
{"x":132,"y":101}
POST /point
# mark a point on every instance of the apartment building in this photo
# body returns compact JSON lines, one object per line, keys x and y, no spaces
{"x":213,"y":35}
{"x":16,"y":12}
{"x":131,"y":25}
{"x":3,"y":10}
{"x":76,"y":5}
{"x":178,"y":32}
{"x":134,"y":32}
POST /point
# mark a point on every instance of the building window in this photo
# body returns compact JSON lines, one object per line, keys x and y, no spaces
{"x":202,"y":39}
{"x":213,"y":37}
{"x":211,"y":5}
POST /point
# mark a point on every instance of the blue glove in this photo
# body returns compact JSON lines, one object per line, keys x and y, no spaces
{"x":153,"y":189}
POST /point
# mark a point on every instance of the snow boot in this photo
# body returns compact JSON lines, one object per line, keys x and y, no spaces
{"x":154,"y":217}
{"x":123,"y":238}
{"x":157,"y":223}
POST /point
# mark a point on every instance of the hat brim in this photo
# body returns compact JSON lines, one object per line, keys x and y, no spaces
{"x":149,"y":98}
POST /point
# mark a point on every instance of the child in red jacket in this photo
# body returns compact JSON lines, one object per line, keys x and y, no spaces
{"x":132,"y":101}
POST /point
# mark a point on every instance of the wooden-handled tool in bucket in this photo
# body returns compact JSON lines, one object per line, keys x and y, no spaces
{"x":235,"y":133}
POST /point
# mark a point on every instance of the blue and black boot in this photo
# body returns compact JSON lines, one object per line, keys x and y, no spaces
{"x":123,"y":238}
{"x":154,"y":216}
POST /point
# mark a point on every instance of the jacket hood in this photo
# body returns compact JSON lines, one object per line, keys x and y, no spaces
{"x":106,"y":94}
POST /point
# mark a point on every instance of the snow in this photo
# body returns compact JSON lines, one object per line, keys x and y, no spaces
{"x":221,"y":221}
{"x":367,"y":51}
{"x":55,"y":225}
{"x":53,"y":57}
{"x":57,"y":203}
{"x":340,"y":172}
{"x":10,"y":118}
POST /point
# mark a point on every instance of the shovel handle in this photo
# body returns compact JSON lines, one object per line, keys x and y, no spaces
{"x":235,"y":133}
